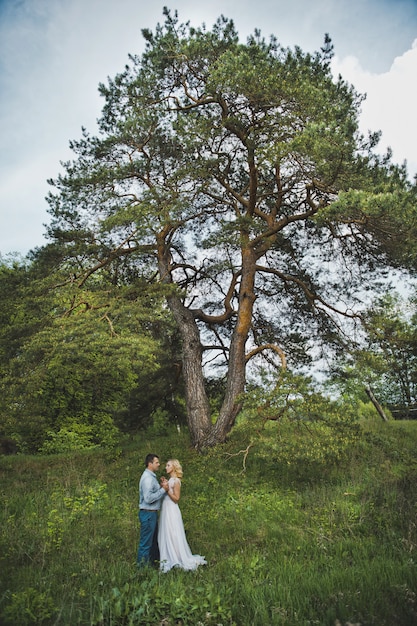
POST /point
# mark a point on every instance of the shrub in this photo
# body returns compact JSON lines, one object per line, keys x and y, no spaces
{"x":68,"y":439}
{"x":29,"y":607}
{"x":75,"y":435}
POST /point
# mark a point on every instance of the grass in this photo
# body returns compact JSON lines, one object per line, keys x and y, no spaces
{"x":291,"y":538}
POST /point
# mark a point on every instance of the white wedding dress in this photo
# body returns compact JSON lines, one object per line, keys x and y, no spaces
{"x":173,"y":547}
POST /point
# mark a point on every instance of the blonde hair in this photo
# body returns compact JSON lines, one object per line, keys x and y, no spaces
{"x":177,"y":467}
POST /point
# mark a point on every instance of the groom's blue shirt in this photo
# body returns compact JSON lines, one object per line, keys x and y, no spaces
{"x":150,"y":492}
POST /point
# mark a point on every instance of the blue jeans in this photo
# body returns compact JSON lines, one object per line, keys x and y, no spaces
{"x":148,"y":551}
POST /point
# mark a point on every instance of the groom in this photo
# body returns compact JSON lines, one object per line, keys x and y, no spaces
{"x":150,"y":497}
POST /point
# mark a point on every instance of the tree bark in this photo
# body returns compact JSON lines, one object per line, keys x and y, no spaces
{"x":198,"y":407}
{"x":236,"y":376}
{"x":376,"y":403}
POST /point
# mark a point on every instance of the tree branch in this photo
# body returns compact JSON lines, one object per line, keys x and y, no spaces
{"x":268,"y":346}
{"x":245,"y":455}
{"x":310,"y":295}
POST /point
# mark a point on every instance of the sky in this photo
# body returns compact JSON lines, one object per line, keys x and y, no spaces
{"x":54,"y":54}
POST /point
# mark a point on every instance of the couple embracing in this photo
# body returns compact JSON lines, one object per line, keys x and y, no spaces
{"x":165,"y":543}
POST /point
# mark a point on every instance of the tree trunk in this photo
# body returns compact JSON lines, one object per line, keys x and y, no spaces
{"x":376,"y":403}
{"x":203,"y":433}
{"x":236,"y":376}
{"x":198,"y":408}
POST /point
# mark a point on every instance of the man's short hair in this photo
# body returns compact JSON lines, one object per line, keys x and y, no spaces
{"x":150,"y":458}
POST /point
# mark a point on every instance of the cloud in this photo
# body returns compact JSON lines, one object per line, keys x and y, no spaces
{"x":391,"y":103}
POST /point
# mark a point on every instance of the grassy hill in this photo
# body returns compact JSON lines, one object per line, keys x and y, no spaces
{"x":299,"y":527}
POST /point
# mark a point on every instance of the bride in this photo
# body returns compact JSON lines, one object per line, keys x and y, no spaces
{"x":173,"y":547}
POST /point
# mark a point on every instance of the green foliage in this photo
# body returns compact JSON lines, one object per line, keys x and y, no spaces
{"x":160,"y":422}
{"x":367,"y":412}
{"x":391,"y":349}
{"x":71,"y":509}
{"x":151,"y":601}
{"x":386,"y":358}
{"x":67,"y":440}
{"x":390,"y":212}
{"x":80,"y":436}
{"x":20,"y":313}
{"x":29,"y":607}
{"x":75,"y":362}
{"x":292,"y":424}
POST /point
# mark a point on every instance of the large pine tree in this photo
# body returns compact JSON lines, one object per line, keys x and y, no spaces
{"x":234,"y":174}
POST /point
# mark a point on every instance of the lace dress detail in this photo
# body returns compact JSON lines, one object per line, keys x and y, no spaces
{"x":173,"y":547}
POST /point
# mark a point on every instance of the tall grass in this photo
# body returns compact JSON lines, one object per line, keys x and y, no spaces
{"x":290,"y":539}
